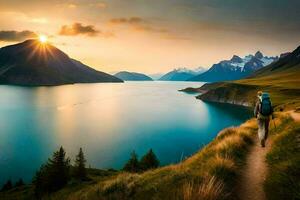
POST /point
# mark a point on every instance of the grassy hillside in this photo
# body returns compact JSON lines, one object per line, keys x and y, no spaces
{"x":283,"y":180}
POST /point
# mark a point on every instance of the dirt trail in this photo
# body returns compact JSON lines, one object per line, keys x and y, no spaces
{"x":253,"y":175}
{"x":295,"y":116}
{"x":250,"y":186}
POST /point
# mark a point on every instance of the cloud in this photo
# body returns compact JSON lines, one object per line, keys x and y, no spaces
{"x":78,"y":29}
{"x":131,"y":20}
{"x":138,"y":24}
{"x":16,"y":35}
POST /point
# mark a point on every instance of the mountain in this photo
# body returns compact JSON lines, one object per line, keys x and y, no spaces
{"x":32,"y":63}
{"x":132,"y":76}
{"x":280,"y":79}
{"x":156,"y":76}
{"x":235,"y":68}
{"x":182,"y":74}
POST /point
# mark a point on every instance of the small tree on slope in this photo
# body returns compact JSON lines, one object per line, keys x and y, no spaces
{"x":133,"y":164}
{"x":80,"y":170}
{"x":149,"y":161}
{"x":54,"y":175}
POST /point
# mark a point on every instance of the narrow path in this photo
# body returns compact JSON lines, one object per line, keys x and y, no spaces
{"x":253,"y":175}
{"x":295,"y":116}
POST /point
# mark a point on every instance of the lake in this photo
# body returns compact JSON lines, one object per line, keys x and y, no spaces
{"x":108,"y":120}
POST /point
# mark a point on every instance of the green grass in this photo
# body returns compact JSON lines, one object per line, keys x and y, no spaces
{"x":283,"y":88}
{"x":283,"y":180}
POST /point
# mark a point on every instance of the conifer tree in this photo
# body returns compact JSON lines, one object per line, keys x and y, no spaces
{"x":132,"y":164}
{"x":149,"y":161}
{"x":7,"y":186}
{"x":19,"y":183}
{"x":54,"y":175}
{"x":80,"y":170}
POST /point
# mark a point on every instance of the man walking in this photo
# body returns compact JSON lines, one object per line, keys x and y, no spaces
{"x":263,"y":111}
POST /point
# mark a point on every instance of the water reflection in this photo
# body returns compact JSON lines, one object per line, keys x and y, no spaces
{"x":107,"y":120}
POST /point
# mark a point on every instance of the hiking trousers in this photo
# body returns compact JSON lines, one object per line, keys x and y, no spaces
{"x":263,"y":127}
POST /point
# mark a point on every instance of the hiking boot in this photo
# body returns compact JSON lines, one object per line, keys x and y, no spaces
{"x":262,"y":143}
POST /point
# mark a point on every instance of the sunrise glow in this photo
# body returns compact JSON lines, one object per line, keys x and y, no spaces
{"x":43,"y":38}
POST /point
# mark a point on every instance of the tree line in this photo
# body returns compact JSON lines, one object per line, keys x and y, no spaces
{"x":9,"y":185}
{"x":58,"y":171}
{"x":148,"y":161}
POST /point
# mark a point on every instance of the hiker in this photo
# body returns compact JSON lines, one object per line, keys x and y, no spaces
{"x":263,"y":111}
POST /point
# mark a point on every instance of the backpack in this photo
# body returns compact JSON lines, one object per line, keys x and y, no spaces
{"x":265,"y":105}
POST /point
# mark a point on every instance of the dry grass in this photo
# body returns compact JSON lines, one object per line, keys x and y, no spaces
{"x":209,"y":189}
{"x":283,"y":180}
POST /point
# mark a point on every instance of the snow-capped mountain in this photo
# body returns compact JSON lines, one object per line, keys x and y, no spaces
{"x":235,"y":68}
{"x":182,"y":74}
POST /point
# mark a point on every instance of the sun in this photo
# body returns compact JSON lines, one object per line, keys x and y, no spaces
{"x":43,"y":39}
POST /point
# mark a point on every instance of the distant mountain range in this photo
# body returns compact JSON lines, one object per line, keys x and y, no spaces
{"x":280,"y":79}
{"x":156,"y":76}
{"x":182,"y":74}
{"x":235,"y":68}
{"x":32,"y":63}
{"x":132,"y":76}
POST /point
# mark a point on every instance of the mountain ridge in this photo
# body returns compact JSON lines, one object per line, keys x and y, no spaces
{"x":280,"y":79}
{"x":31,"y":63}
{"x":235,"y":68}
{"x":132,"y":76}
{"x":181,"y":74}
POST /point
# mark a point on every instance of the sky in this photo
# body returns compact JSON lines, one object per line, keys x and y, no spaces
{"x":154,"y":36}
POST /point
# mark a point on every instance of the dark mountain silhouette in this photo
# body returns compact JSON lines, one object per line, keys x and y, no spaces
{"x":132,"y":76}
{"x":32,"y":63}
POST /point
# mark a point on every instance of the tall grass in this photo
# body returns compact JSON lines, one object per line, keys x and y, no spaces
{"x":210,"y":189}
{"x":283,"y":179}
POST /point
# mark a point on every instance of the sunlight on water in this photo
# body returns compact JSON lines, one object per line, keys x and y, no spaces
{"x":108,"y":121}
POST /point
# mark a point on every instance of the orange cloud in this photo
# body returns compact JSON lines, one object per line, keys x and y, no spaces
{"x":16,"y":35}
{"x":131,"y":20}
{"x":79,"y":29}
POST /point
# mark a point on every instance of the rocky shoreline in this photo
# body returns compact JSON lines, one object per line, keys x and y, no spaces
{"x":224,"y":92}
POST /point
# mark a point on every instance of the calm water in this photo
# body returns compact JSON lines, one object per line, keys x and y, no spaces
{"x":108,"y":121}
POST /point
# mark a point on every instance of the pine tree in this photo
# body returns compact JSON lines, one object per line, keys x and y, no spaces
{"x":54,"y":175}
{"x":80,"y":170}
{"x":149,"y":161}
{"x":132,"y":164}
{"x":59,"y":168}
{"x":7,"y":186}
{"x":19,"y":183}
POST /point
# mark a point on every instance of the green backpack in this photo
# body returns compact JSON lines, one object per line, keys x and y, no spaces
{"x":266,"y":105}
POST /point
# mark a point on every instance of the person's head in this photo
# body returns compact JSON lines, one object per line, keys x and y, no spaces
{"x":259,"y":93}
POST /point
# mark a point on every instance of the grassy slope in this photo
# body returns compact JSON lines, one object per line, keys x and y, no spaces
{"x":283,"y":87}
{"x":283,"y":180}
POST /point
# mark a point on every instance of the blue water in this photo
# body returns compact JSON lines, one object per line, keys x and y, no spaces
{"x":108,"y":121}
